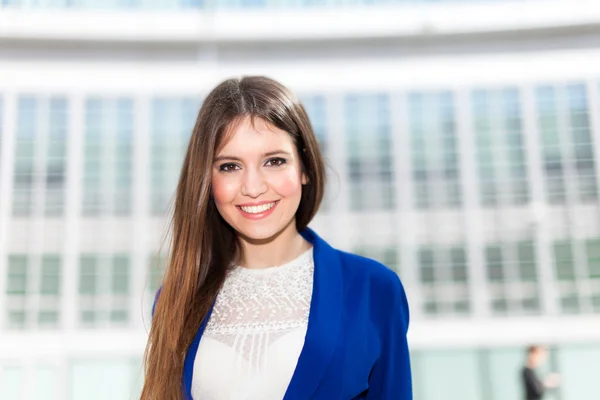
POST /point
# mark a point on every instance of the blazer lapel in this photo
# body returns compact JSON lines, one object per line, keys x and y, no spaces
{"x":188,"y":366}
{"x":323,"y":322}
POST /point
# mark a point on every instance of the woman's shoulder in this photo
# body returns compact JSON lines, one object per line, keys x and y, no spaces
{"x":369,"y":270}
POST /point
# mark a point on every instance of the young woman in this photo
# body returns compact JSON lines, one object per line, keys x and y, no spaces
{"x":254,"y":305}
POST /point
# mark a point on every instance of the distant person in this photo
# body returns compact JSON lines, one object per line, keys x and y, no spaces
{"x":534,"y":387}
{"x":254,"y":304}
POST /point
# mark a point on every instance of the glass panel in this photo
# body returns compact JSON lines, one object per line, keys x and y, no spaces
{"x":46,"y":383}
{"x":11,"y":382}
{"x":85,"y":383}
{"x":493,"y":255}
{"x":504,"y":367}
{"x":56,"y":153}
{"x":579,"y":371}
{"x":26,"y":135}
{"x":369,"y":142}
{"x":499,"y":147}
{"x":172,"y":122}
{"x":450,"y":375}
{"x":87,"y":275}
{"x":426,"y":265}
{"x":48,"y":318}
{"x":120,"y":275}
{"x":435,"y":158}
{"x":17,"y":275}
{"x":50,"y":279}
{"x":563,"y":259}
{"x":593,"y":253}
{"x":527,"y":263}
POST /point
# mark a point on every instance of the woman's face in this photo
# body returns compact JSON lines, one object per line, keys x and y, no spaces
{"x":257,"y":180}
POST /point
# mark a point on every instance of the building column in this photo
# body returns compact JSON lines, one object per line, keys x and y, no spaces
{"x":471,"y":207}
{"x":72,"y":215}
{"x":405,"y":205}
{"x":540,"y":223}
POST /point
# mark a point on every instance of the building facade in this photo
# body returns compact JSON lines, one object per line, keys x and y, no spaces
{"x":462,"y":143}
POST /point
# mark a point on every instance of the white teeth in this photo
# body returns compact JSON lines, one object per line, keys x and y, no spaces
{"x":257,"y":209}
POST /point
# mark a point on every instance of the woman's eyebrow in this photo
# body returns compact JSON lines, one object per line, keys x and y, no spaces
{"x":234,"y":158}
{"x":273,"y":153}
{"x":226,"y":157}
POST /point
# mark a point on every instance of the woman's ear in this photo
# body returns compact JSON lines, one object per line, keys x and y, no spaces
{"x":304,"y":179}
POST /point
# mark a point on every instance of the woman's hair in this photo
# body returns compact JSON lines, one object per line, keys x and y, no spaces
{"x":203,"y":245}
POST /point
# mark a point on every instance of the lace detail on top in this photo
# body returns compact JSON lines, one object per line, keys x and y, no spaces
{"x":269,"y":300}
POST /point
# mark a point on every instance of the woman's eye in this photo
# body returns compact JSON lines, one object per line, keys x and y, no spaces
{"x":228,"y":167}
{"x":275,"y":162}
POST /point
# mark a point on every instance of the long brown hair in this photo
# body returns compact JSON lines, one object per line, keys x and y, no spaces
{"x":203,"y":245}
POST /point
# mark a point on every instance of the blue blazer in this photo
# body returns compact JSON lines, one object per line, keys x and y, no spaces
{"x":355,"y":345}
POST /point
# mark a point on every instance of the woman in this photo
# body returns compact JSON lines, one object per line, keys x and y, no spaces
{"x":254,"y":305}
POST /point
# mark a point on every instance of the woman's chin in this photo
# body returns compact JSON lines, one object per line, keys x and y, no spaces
{"x":262,"y":234}
{"x":258,"y":235}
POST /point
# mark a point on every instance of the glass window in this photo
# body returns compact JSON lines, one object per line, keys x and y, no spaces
{"x":369,"y":145}
{"x":459,"y":264}
{"x":17,"y":275}
{"x":578,"y":370}
{"x":493,"y":255}
{"x":570,"y":303}
{"x":527,"y":263}
{"x":511,"y":266}
{"x":444,"y":279}
{"x":427,"y":265}
{"x":27,"y":117}
{"x":11,"y":382}
{"x":563,"y":260}
{"x":451,"y":374}
{"x":46,"y":383}
{"x":87,"y":275}
{"x":593,"y":253}
{"x":566,"y":148}
{"x":17,"y":291}
{"x":56,"y":157}
{"x":500,"y":147}
{"x":104,"y":290}
{"x":84,"y":382}
{"x":108,"y":136}
{"x":435,"y":158}
{"x":50,"y":282}
{"x":123,"y":156}
{"x":579,"y":133}
{"x":172,"y":122}
{"x":504,"y":366}
{"x":120,"y":276}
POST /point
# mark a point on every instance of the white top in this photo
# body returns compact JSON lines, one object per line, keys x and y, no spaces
{"x":255,"y":334}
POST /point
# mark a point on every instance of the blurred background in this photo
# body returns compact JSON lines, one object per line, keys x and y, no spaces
{"x":463,"y":144}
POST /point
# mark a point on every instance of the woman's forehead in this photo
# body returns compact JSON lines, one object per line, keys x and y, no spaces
{"x":250,"y":135}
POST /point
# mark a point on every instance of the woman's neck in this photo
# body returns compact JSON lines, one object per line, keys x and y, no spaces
{"x":278,"y":250}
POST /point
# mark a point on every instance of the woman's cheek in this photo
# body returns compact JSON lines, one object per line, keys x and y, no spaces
{"x":288,"y":184}
{"x":224,"y":190}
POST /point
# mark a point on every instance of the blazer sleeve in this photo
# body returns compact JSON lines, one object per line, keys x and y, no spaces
{"x":390,"y":377}
{"x":155,"y":300}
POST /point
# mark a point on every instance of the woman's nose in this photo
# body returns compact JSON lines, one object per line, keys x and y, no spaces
{"x":254,"y":184}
